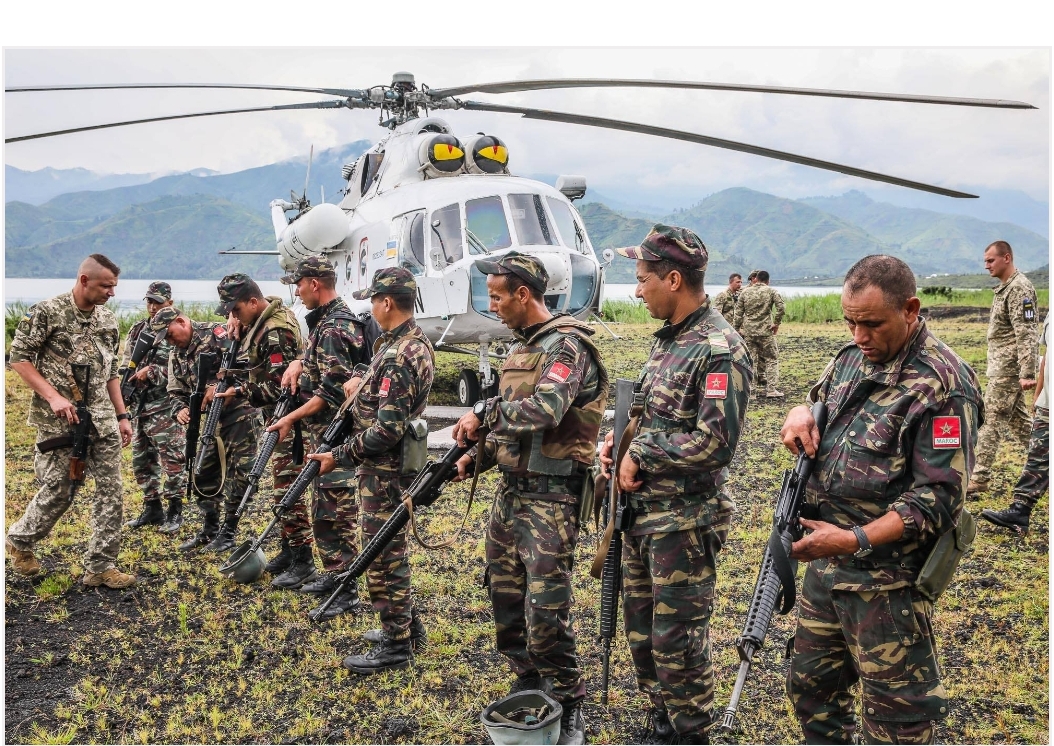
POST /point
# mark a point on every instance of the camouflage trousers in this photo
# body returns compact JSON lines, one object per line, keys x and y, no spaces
{"x":883,"y":639}
{"x":241,"y":437}
{"x":160,"y":446}
{"x":668,"y":584}
{"x":1035,"y":477}
{"x":335,"y":517}
{"x":1005,"y":414}
{"x":388,"y":577}
{"x":296,"y":525}
{"x":766,"y":357}
{"x":52,"y":500}
{"x":530,"y":554}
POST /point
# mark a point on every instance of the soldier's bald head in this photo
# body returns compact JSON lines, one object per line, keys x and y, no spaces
{"x":95,"y":266}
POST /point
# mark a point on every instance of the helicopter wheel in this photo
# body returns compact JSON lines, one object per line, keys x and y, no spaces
{"x":468,"y":388}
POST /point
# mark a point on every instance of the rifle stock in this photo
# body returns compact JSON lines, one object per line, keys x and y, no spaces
{"x":267,"y":448}
{"x":206,"y":361}
{"x":143,"y":345}
{"x":82,"y":430}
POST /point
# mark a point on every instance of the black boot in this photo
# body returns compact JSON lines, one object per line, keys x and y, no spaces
{"x":418,"y":638}
{"x":325,"y":582}
{"x":224,"y":539}
{"x":346,"y":603}
{"x":301,"y":570}
{"x":528,"y":681}
{"x":1014,"y":518}
{"x":658,"y":728}
{"x":281,"y":561}
{"x":174,"y":518}
{"x":152,"y":515}
{"x":386,"y":655}
{"x":209,"y":526}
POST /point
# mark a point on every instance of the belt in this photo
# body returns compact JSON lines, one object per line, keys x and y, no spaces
{"x":548,"y":487}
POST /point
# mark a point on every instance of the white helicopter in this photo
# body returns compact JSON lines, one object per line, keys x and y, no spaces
{"x":424,"y":199}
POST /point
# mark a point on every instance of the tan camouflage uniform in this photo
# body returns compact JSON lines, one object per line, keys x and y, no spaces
{"x":725,"y":303}
{"x":758,"y":308}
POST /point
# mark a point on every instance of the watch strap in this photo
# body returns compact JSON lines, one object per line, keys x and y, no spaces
{"x":865,"y":545}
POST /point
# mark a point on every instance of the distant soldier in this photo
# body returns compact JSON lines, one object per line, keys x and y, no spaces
{"x":1035,"y":478}
{"x":725,"y":301}
{"x":692,"y":405}
{"x":758,"y":314}
{"x":394,"y":390}
{"x":752,"y":278}
{"x":336,"y":345}
{"x":74,"y":328}
{"x":160,"y":443}
{"x":1011,"y":361}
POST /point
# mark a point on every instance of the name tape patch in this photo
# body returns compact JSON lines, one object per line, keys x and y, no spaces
{"x":716,"y":386}
{"x":386,"y":384}
{"x":947,"y":432}
{"x":559,"y":372}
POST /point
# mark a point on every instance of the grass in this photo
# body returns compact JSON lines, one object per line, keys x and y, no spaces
{"x":192,"y":657}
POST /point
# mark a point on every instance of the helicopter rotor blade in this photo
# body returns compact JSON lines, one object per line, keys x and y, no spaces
{"x":646,"y":129}
{"x":344,"y":92}
{"x":282,"y":107}
{"x":513,"y":86}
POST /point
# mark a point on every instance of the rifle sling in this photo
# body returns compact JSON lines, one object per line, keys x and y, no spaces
{"x":221,"y":454}
{"x":597,"y":568}
{"x":409,"y":503}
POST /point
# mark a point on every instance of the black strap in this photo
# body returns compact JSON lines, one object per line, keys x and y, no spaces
{"x":781,"y":563}
{"x":298,"y":443}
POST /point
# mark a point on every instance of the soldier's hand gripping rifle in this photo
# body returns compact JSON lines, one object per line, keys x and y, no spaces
{"x":212,"y":421}
{"x":281,"y":409}
{"x":143,"y":345}
{"x":206,"y":361}
{"x":424,"y":491}
{"x":79,"y":436}
{"x":776,"y":583}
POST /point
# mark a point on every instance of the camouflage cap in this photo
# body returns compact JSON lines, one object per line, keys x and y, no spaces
{"x":159,"y":292}
{"x":159,"y":321}
{"x":234,"y":288}
{"x":678,"y":245}
{"x":389,"y":281}
{"x":313,"y":266}
{"x":527,"y":268}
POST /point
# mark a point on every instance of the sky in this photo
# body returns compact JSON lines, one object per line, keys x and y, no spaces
{"x":957,"y":147}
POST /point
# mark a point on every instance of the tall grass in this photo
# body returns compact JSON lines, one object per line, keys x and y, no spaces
{"x":814,"y":309}
{"x":626,"y":312}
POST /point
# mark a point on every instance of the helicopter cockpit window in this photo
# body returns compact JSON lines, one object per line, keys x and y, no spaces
{"x":411,"y":233}
{"x":571,"y":234}
{"x":528,"y":215}
{"x":447,"y":244}
{"x":487,"y":228}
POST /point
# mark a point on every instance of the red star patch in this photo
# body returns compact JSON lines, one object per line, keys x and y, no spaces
{"x":559,"y":372}
{"x":947,"y":432}
{"x":220,"y":331}
{"x":276,"y":358}
{"x":385,"y":385}
{"x":716,"y":386}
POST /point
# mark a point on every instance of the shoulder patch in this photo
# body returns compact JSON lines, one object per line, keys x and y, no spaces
{"x":273,"y":337}
{"x":1028,"y":308}
{"x":219,"y":331}
{"x":947,"y":432}
{"x":559,"y":372}
{"x":716,"y":386}
{"x":718,"y":343}
{"x":276,"y":358}
{"x":386,"y":384}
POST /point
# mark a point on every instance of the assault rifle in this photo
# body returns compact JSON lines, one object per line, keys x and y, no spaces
{"x":776,"y":583}
{"x":206,"y":361}
{"x":281,"y":409}
{"x":143,"y":345}
{"x":424,"y":491}
{"x":212,"y":421}
{"x":79,"y":436}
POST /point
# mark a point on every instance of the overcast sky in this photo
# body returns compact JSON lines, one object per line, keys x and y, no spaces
{"x":955,"y":147}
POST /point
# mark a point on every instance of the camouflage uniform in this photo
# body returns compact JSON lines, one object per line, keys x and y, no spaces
{"x":725,"y":303}
{"x":753,"y":318}
{"x":1035,"y":477}
{"x":1012,"y":355}
{"x":900,"y":437}
{"x":52,"y":334}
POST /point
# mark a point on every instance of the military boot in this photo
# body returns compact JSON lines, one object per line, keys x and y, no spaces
{"x":772,"y":393}
{"x":418,"y":638}
{"x":532,"y":680}
{"x":174,"y":517}
{"x":153,"y":515}
{"x":658,"y":728}
{"x":976,"y":487}
{"x":281,"y":561}
{"x":210,"y":524}
{"x":325,"y":582}
{"x":1014,"y":518}
{"x":23,"y":560}
{"x":346,"y":603}
{"x":572,"y":725}
{"x":224,"y":539}
{"x":387,"y":655}
{"x":301,"y":570}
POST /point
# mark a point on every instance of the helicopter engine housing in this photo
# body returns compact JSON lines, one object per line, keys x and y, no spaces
{"x":320,"y":228}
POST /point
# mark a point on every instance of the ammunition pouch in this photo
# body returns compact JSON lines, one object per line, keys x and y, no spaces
{"x":557,"y":489}
{"x":587,"y":499}
{"x":414,"y":454}
{"x":53,"y":444}
{"x":936,"y":574}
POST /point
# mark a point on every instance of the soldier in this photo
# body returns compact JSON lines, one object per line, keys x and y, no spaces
{"x":335,"y":346}
{"x":1035,"y":478}
{"x":890,"y":479}
{"x":239,"y":425}
{"x":725,"y":301}
{"x":694,"y":391}
{"x":542,"y":436}
{"x":74,"y":328}
{"x":1011,"y":361}
{"x":393,"y":392}
{"x":752,"y":278}
{"x":160,"y":442}
{"x":755,"y":320}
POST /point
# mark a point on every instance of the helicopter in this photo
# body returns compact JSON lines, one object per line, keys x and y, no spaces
{"x":425,"y":199}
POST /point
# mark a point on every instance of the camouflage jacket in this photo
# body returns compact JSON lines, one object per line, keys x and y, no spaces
{"x":1012,"y":348}
{"x":152,"y":394}
{"x":394,"y":391}
{"x":694,"y":390}
{"x":754,"y":313}
{"x":900,"y":437}
{"x":274,"y":343}
{"x":182,"y":371}
{"x":725,"y":303}
{"x":54,"y":333}
{"x":1043,"y":398}
{"x":335,"y":346}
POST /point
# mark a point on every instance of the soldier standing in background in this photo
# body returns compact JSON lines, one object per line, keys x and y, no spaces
{"x":1035,"y":478}
{"x":1011,"y":361}
{"x":692,"y":404}
{"x":725,"y":301}
{"x":758,"y":314}
{"x":74,"y":328}
{"x":160,"y":444}
{"x":336,"y":345}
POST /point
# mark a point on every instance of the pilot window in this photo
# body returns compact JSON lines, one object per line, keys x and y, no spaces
{"x":446,"y":233}
{"x":571,"y":234}
{"x":528,"y":215}
{"x":486,"y":227}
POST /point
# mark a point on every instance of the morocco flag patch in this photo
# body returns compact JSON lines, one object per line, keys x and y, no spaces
{"x":716,"y":386}
{"x":386,"y":384}
{"x":559,"y":372}
{"x":947,"y":432}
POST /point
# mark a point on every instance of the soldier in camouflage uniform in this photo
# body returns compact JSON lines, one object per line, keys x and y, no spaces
{"x":1012,"y":357}
{"x":542,"y":436}
{"x":393,"y":391}
{"x":725,"y":301}
{"x":890,"y":479}
{"x":691,"y":406}
{"x":160,"y":442}
{"x":239,"y":423}
{"x":757,"y":316}
{"x":74,"y":328}
{"x":1035,"y":477}
{"x":335,"y":347}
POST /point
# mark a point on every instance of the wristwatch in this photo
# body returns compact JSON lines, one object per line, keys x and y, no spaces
{"x":480,"y":409}
{"x":865,"y":545}
{"x":124,"y":416}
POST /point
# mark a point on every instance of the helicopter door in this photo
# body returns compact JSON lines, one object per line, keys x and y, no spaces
{"x":408,"y":235}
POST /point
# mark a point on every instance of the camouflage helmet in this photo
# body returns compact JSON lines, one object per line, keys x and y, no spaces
{"x":669,"y":242}
{"x":158,"y":292}
{"x":389,"y":281}
{"x":234,"y":288}
{"x":159,"y":321}
{"x":528,"y":268}
{"x":313,"y":266}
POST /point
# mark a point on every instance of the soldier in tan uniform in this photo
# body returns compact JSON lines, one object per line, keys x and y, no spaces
{"x":74,"y":328}
{"x":757,"y":317}
{"x":1012,"y":357}
{"x":725,"y":301}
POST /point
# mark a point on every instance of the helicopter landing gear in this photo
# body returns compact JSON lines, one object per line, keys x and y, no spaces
{"x":468,"y":388}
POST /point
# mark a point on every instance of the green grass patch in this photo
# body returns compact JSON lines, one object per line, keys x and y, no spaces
{"x":814,"y":309}
{"x":626,"y":312}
